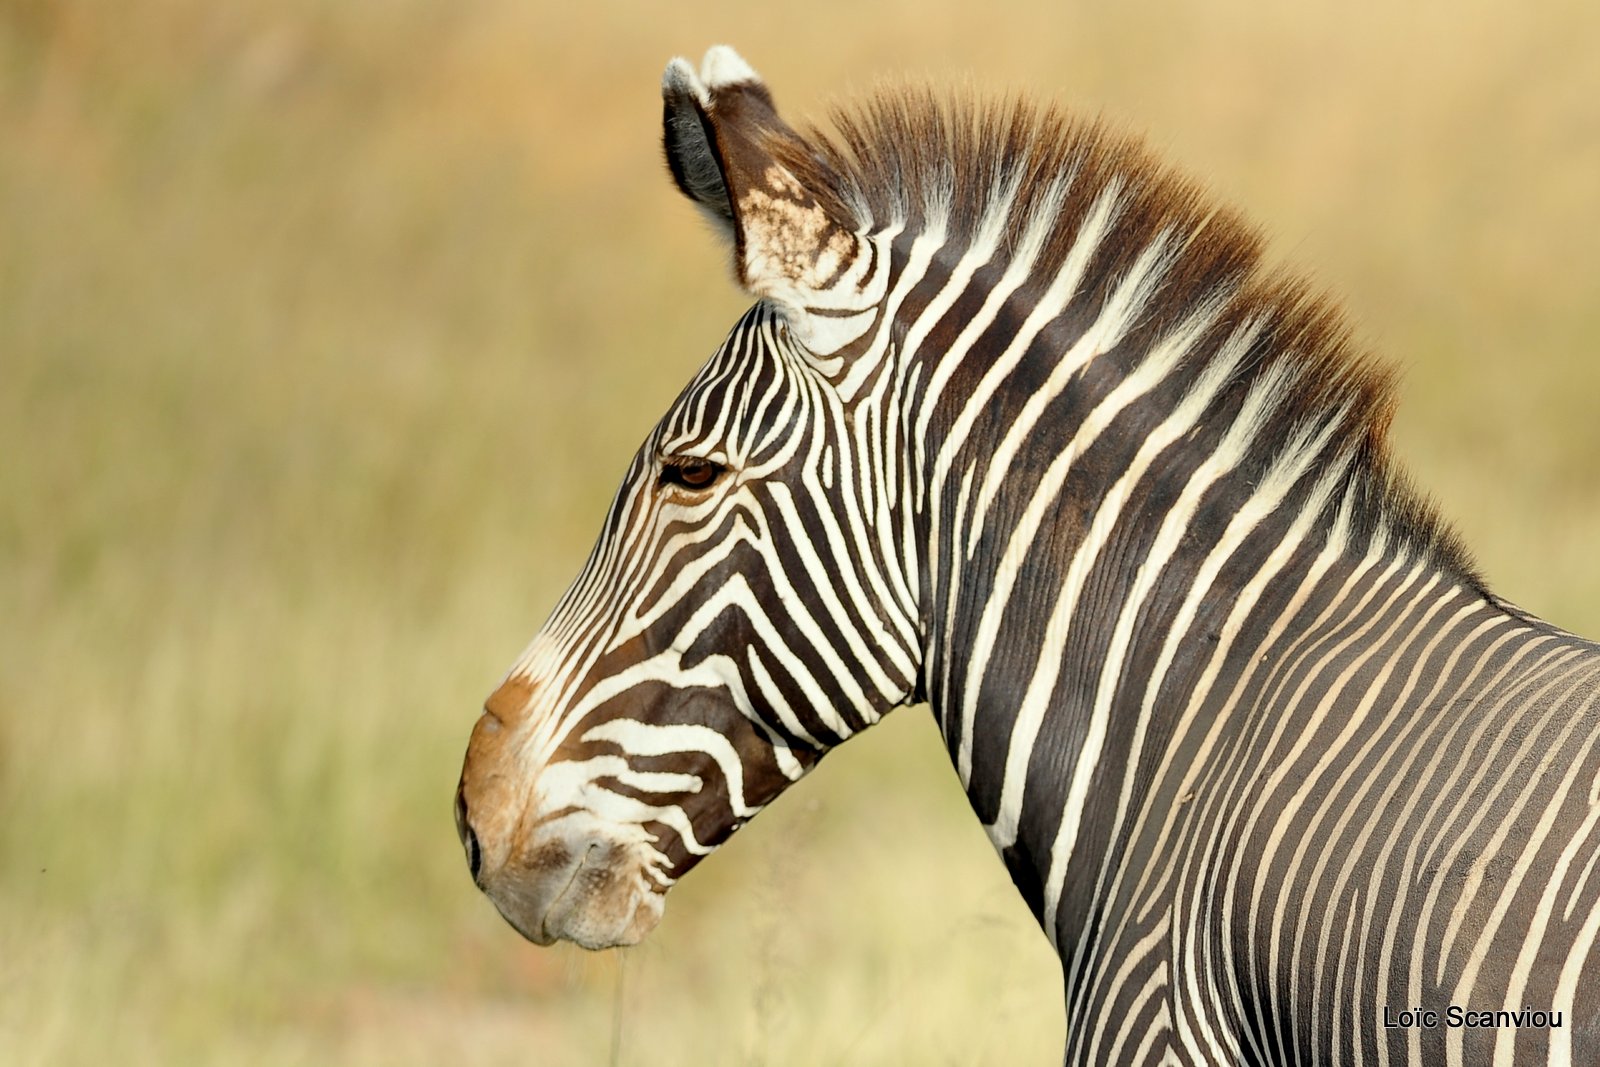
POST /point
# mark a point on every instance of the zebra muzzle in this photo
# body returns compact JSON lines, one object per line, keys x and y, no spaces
{"x":588,"y":891}
{"x":559,"y":875}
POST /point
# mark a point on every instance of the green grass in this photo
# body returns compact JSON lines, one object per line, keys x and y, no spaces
{"x":325,"y":332}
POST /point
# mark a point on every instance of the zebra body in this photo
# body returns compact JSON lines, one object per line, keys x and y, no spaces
{"x":1021,"y":427}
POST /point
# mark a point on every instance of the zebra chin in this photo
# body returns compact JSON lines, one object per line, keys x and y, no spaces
{"x":590,"y":892}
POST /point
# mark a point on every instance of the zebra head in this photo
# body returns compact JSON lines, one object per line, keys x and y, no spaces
{"x":748,"y":603}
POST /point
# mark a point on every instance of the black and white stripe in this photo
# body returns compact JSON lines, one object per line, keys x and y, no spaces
{"x":1021,"y":426}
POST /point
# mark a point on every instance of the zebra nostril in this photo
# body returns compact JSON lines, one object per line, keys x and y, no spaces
{"x":469,"y":837}
{"x":474,"y":853}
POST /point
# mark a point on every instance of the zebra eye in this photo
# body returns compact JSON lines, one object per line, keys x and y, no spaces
{"x":692,"y":474}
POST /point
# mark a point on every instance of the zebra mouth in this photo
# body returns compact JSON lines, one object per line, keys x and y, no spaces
{"x":546,"y":935}
{"x":593,"y":900}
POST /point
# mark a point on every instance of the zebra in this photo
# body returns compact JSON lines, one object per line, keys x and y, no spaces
{"x":1022,"y":427}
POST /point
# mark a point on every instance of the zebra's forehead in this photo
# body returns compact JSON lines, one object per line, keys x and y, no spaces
{"x":747,"y":395}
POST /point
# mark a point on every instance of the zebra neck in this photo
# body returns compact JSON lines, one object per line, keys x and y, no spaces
{"x":1106,"y":524}
{"x":1084,"y":696}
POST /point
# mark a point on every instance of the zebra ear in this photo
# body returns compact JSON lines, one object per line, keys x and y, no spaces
{"x":690,"y":142}
{"x":724,"y":145}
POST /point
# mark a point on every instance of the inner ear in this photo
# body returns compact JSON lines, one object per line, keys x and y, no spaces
{"x":690,"y":142}
{"x":720,"y":128}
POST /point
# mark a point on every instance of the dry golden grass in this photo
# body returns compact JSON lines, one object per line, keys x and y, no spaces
{"x":324,"y":334}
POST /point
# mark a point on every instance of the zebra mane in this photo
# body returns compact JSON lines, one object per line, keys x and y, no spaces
{"x":1015,"y":173}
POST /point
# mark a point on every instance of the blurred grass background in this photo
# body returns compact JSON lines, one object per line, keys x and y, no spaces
{"x":325,"y":331}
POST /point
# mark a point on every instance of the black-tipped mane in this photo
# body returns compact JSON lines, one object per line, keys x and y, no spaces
{"x":910,"y":157}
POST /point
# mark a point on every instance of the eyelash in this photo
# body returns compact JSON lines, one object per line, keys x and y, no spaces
{"x":695,"y":475}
